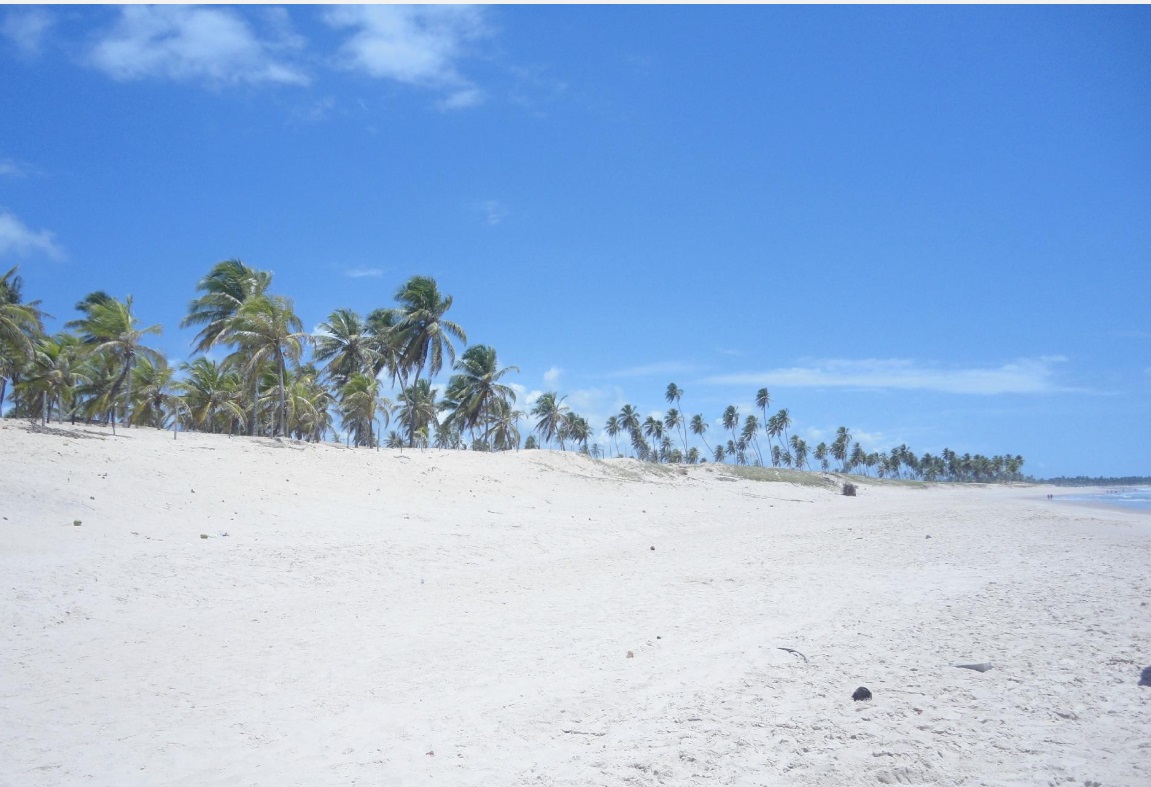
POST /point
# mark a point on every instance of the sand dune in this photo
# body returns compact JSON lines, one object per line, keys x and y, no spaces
{"x":425,"y":617}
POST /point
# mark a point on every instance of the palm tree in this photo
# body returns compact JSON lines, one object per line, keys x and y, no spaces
{"x":820,"y":455}
{"x":109,"y":328}
{"x":503,"y":426}
{"x":52,"y":376}
{"x":155,"y":401}
{"x":629,"y":422}
{"x":612,"y":428}
{"x":346,"y":344}
{"x":698,"y":427}
{"x":576,"y":428}
{"x":473,"y":391}
{"x":653,"y":428}
{"x":763,"y":401}
{"x":267,"y":329}
{"x":731,"y":421}
{"x":800,"y":449}
{"x":673,"y":395}
{"x":783,"y":419}
{"x":550,"y":409}
{"x":21,"y":324}
{"x":424,"y":334}
{"x":751,"y":434}
{"x":360,"y":401}
{"x":673,"y":421}
{"x":719,"y":453}
{"x":224,"y":289}
{"x":417,"y":411}
{"x":840,"y":445}
{"x":213,"y":395}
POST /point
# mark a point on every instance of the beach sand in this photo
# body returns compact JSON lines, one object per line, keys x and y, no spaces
{"x":541,"y":618}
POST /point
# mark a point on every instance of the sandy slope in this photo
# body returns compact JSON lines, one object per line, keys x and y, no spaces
{"x":458,"y":619}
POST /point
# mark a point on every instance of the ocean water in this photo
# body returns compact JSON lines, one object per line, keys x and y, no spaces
{"x":1122,"y":497}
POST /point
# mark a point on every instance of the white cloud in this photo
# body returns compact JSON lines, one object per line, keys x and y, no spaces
{"x":647,"y":370}
{"x":364,"y":273}
{"x":17,"y":239}
{"x":26,"y":28}
{"x":413,"y":45}
{"x":552,"y":376}
{"x":1024,"y":376}
{"x":195,"y":43}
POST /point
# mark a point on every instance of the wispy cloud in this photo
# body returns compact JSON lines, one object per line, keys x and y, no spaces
{"x":195,"y":43}
{"x":26,"y":28}
{"x":1024,"y":376}
{"x":413,"y":45}
{"x":493,"y":211}
{"x":552,"y":376}
{"x":364,"y":273}
{"x":10,"y":168}
{"x":17,"y":239}
{"x":647,"y":370}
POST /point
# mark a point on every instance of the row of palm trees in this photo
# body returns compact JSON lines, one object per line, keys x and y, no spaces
{"x":100,"y":368}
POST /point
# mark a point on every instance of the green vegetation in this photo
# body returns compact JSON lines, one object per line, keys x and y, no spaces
{"x":1082,"y":480}
{"x":278,"y":380}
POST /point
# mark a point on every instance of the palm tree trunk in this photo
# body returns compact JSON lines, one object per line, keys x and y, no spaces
{"x":283,"y":402}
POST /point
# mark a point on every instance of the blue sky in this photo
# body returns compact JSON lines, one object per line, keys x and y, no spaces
{"x":929,"y":224}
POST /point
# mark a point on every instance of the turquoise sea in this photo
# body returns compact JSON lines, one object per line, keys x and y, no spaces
{"x":1121,"y":497}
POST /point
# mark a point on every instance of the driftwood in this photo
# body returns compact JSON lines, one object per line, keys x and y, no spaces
{"x":977,"y":667}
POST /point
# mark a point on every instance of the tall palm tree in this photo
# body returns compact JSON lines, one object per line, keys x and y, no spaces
{"x":549,"y":409}
{"x":674,"y":421}
{"x":839,"y":447}
{"x":267,"y":329}
{"x":425,"y":336}
{"x":474,"y":389}
{"x":698,"y":427}
{"x":731,"y":422}
{"x":612,"y":428}
{"x":344,"y":342}
{"x":763,"y":401}
{"x":576,"y":428}
{"x":630,"y":423}
{"x":674,"y":395}
{"x":504,"y":431}
{"x":225,"y":288}
{"x":109,"y":328}
{"x":800,"y":448}
{"x":751,"y":434}
{"x":783,"y":418}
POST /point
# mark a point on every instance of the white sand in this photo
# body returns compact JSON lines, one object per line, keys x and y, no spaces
{"x":460,"y":619}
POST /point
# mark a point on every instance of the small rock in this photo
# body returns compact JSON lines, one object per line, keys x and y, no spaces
{"x":76,"y":523}
{"x":929,"y":536}
{"x":862,"y":693}
{"x":630,"y":655}
{"x":653,"y":549}
{"x":1145,"y":678}
{"x":203,"y":535}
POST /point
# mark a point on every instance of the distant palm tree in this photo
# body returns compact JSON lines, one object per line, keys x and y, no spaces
{"x":214,"y":396}
{"x":751,"y":435}
{"x":698,"y":427}
{"x":21,"y":325}
{"x":612,"y":428}
{"x":576,"y":428}
{"x":719,"y":453}
{"x":783,"y":418}
{"x":653,"y":428}
{"x":549,"y":409}
{"x":155,"y":401}
{"x":629,"y":422}
{"x":503,"y":426}
{"x":821,"y":454}
{"x":839,"y":447}
{"x":424,"y":335}
{"x":360,"y":402}
{"x":347,"y":346}
{"x":266,"y":328}
{"x":673,"y":421}
{"x":800,"y":449}
{"x":224,"y":289}
{"x":674,"y":395}
{"x":109,"y":329}
{"x":417,"y":411}
{"x":473,"y":391}
{"x":52,"y":376}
